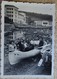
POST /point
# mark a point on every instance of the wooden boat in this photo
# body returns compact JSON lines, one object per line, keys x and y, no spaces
{"x":16,"y":56}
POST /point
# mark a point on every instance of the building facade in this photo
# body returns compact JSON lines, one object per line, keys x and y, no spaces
{"x":21,"y":17}
{"x":13,"y":13}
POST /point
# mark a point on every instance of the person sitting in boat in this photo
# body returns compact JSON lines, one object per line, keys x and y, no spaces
{"x":41,"y":43}
{"x":28,"y":46}
{"x":20,"y":45}
{"x":11,"y":46}
{"x":24,"y":45}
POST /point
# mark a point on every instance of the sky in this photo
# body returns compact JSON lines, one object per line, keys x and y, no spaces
{"x":37,"y":8}
{"x":34,"y":7}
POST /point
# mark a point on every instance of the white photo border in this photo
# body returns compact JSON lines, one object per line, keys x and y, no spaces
{"x":2,"y":46}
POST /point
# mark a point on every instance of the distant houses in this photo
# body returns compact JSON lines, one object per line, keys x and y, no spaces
{"x":39,"y":19}
{"x":27,"y":18}
{"x":29,"y":25}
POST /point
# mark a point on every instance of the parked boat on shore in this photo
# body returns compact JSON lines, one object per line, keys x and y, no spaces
{"x":16,"y":56}
{"x":24,"y":50}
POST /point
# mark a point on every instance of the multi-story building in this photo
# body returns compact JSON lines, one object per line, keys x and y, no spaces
{"x":21,"y":17}
{"x":14,"y":14}
{"x":11,"y":12}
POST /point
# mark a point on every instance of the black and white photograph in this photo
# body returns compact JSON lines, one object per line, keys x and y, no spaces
{"x":28,"y":36}
{"x":0,"y":37}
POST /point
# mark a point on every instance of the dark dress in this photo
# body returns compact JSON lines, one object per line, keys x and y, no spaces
{"x":41,"y":43}
{"x":21,"y":47}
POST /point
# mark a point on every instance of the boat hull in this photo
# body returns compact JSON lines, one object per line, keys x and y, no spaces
{"x":16,"y":56}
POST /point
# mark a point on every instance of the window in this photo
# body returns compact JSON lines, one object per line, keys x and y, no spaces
{"x":12,"y":8}
{"x":12,"y":12}
{"x":45,"y":23}
{"x":12,"y":15}
{"x":9,"y":15}
{"x":9,"y":8}
{"x":12,"y":20}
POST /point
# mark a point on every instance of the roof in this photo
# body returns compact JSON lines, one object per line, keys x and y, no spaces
{"x":11,"y":6}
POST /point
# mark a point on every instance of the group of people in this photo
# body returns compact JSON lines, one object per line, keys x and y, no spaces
{"x":24,"y":45}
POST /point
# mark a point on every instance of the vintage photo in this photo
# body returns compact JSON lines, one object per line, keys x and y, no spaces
{"x":28,"y":39}
{"x":0,"y":37}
